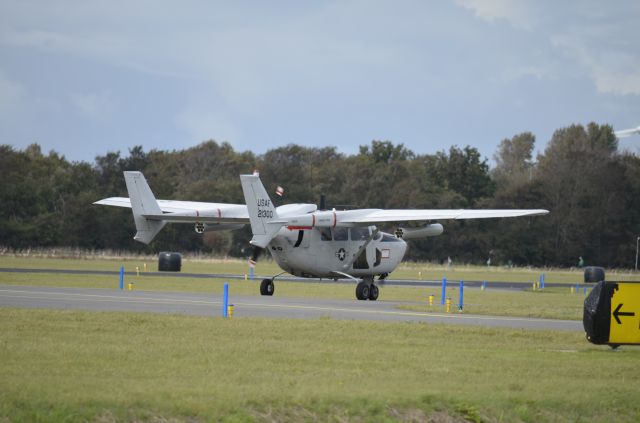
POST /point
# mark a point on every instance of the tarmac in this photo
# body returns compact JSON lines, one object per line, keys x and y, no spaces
{"x":210,"y":304}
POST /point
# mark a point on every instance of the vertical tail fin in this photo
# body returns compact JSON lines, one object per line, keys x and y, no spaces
{"x":143,"y":203}
{"x":262,"y":212}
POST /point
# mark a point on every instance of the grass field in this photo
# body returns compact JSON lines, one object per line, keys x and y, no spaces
{"x":407,"y":270}
{"x":73,"y":366}
{"x":78,"y":366}
{"x":556,"y":303}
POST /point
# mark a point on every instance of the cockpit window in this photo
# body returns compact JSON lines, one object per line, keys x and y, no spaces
{"x":340,"y":234}
{"x":359,"y":233}
{"x":325,"y":234}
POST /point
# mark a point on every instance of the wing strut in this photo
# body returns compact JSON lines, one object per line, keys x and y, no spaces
{"x":360,"y":250}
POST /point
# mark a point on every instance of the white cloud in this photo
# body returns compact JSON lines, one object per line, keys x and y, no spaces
{"x":11,"y":94}
{"x":312,"y":70}
{"x":98,"y":106}
{"x":526,"y":71}
{"x":592,"y":37}
{"x":202,"y":123}
{"x":520,"y":14}
{"x":613,"y":69}
{"x":621,"y":83}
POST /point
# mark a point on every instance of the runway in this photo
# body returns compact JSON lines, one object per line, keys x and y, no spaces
{"x":204,"y":304}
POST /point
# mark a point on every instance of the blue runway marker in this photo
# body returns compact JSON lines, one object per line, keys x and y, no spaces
{"x":444,"y":290}
{"x":225,"y":300}
{"x":460,"y":303}
{"x":121,"y":277}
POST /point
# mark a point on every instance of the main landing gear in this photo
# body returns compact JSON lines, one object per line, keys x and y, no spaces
{"x":267,"y":287}
{"x":367,"y":290}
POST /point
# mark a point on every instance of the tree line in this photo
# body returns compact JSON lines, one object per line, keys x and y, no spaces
{"x":591,"y":188}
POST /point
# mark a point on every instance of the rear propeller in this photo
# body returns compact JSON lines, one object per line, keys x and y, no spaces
{"x":254,"y":257}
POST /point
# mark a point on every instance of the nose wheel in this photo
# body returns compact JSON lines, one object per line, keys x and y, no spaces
{"x":367,"y":290}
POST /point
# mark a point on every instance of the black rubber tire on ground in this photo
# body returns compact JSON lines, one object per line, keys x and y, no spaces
{"x":373,"y":292}
{"x":267,"y":287}
{"x":593,"y":274}
{"x":362,"y":291}
{"x":169,"y":262}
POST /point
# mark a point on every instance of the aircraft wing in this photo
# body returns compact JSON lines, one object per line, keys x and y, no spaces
{"x":408,"y":215}
{"x":627,"y":132}
{"x":195,"y":211}
{"x":188,"y":211}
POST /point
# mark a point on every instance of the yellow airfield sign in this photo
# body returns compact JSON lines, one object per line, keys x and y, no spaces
{"x":624,"y":325}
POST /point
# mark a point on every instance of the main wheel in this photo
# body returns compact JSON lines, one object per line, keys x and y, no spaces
{"x":267,"y":287}
{"x":373,"y":292}
{"x":362,"y":291}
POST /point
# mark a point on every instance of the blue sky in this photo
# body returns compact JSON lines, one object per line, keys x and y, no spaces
{"x":87,"y":77}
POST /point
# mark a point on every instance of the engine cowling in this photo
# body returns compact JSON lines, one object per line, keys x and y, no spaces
{"x":433,"y":229}
{"x":312,"y":220}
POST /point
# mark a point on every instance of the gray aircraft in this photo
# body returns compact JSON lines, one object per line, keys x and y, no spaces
{"x":303,"y":240}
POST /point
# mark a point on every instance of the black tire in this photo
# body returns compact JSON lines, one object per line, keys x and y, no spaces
{"x":373,"y":292}
{"x":267,"y":287}
{"x":362,"y":291}
{"x":593,"y":274}
{"x":169,"y":262}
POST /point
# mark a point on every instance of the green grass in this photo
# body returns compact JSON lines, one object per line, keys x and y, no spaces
{"x":226,"y":266}
{"x":424,"y":271}
{"x":553,"y":303}
{"x":407,"y":270}
{"x":78,"y":366}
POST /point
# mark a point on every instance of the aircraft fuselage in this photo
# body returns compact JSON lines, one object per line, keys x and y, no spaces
{"x":321,"y":252}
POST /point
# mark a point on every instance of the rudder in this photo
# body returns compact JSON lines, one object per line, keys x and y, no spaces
{"x":262,"y":212}
{"x":143,"y":203}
